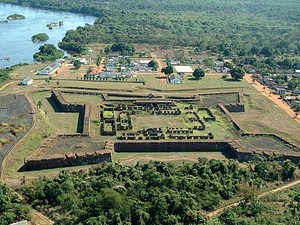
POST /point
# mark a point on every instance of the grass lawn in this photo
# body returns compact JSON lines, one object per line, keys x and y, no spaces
{"x":91,"y":99}
{"x":264,"y":116}
{"x":61,"y":122}
{"x":178,"y":157}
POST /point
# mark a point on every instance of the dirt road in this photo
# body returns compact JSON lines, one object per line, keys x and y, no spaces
{"x":163,"y":79}
{"x":6,"y":85}
{"x":220,"y":210}
{"x":275,"y":98}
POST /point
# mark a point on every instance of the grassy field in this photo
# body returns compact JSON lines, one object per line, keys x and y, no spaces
{"x":91,"y":99}
{"x":178,"y":157}
{"x":61,"y":122}
{"x":263,"y":116}
{"x":264,"y":143}
{"x":70,"y":146}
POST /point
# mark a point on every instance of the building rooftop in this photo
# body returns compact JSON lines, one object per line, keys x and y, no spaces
{"x":183,"y":69}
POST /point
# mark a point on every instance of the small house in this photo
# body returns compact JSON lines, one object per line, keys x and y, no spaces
{"x":26,"y":81}
{"x":280,"y":91}
{"x":174,"y":62}
{"x":174,"y":79}
{"x":144,"y":63}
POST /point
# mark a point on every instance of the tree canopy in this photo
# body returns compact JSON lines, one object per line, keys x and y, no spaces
{"x":40,"y":37}
{"x":48,"y":52}
{"x":11,"y":209}
{"x":237,"y":73}
{"x":167,"y":70}
{"x":153,"y":64}
{"x":124,"y":49}
{"x":199,"y":73}
{"x":77,"y":64}
{"x":153,"y":193}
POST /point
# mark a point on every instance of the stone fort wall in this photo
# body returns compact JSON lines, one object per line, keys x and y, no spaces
{"x":58,"y":161}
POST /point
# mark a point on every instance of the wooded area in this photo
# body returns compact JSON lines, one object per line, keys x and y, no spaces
{"x":152,"y":193}
{"x":226,"y":27}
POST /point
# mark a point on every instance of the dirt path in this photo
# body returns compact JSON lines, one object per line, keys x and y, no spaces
{"x":220,"y":210}
{"x":275,"y":98}
{"x":5,"y":85}
{"x":163,"y":79}
{"x":101,"y":65}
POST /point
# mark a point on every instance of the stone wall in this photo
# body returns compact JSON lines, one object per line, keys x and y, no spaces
{"x":235,"y":124}
{"x":173,"y":146}
{"x":235,"y":107}
{"x":66,"y":161}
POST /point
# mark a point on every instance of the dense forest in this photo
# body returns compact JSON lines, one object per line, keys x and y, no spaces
{"x":11,"y":208}
{"x":225,"y":27}
{"x":155,"y":193}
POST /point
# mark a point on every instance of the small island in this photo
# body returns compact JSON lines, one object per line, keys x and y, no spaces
{"x":55,"y":24}
{"x":16,"y":17}
{"x":40,"y":37}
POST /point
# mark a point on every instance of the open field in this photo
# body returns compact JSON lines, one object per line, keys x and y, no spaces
{"x":178,"y":157}
{"x":264,"y":116}
{"x":69,"y":146}
{"x":264,"y":144}
{"x":61,"y":121}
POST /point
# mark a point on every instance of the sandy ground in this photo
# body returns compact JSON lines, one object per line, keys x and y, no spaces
{"x":275,"y":98}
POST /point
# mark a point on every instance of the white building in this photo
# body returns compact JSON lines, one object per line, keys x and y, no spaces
{"x":52,"y":67}
{"x":181,"y":70}
{"x":26,"y":81}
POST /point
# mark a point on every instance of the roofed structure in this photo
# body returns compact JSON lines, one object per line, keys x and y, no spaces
{"x":183,"y":69}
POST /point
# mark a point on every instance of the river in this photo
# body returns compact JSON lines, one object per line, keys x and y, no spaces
{"x":15,"y":36}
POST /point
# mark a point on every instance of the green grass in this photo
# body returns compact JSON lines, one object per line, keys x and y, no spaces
{"x":92,"y":99}
{"x":3,"y":140}
{"x":62,"y":122}
{"x":264,"y":116}
{"x":178,"y":157}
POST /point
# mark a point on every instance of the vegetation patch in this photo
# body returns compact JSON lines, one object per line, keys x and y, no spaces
{"x":16,"y":17}
{"x":152,"y":193}
{"x":40,"y":37}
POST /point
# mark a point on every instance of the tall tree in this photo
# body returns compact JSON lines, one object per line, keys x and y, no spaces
{"x":167,"y":70}
{"x":237,"y":73}
{"x":199,"y":73}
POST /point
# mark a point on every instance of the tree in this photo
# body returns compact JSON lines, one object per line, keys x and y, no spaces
{"x":77,"y":64}
{"x":153,"y":64}
{"x":237,"y":73}
{"x":48,"y":52}
{"x":199,"y":73}
{"x":167,"y":70}
{"x":40,"y":37}
{"x":39,"y":104}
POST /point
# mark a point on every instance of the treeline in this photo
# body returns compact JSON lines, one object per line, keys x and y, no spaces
{"x":11,"y":208}
{"x":226,"y":27}
{"x":153,"y":193}
{"x":4,"y":74}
